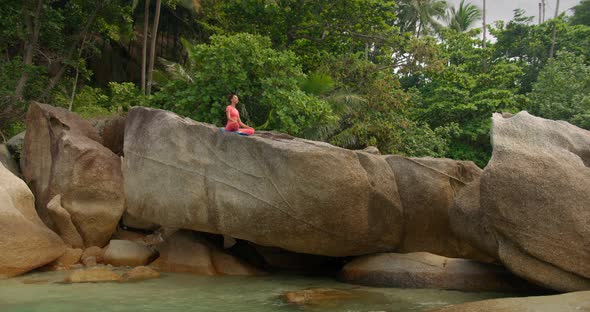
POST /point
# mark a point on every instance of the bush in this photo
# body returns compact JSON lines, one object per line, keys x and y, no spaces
{"x":267,"y":82}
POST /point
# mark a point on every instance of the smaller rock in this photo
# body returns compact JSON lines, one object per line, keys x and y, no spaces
{"x":140,"y":273}
{"x":63,"y":223}
{"x":70,"y":257}
{"x":93,"y":275}
{"x":8,"y":161}
{"x":229,"y":265}
{"x":371,"y":150}
{"x":187,"y":252}
{"x":16,"y":142}
{"x":425,"y":270}
{"x":93,"y":252}
{"x":127,"y":253}
{"x":111,"y":131}
{"x":66,"y":261}
{"x":89,"y":261}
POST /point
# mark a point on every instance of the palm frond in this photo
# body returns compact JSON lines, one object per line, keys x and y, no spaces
{"x":463,"y":17}
{"x":318,"y":84}
{"x":346,"y":139}
{"x":175,"y":70}
{"x":344,"y":102}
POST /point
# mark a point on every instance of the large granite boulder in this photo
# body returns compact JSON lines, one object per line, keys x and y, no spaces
{"x":426,"y":270}
{"x":533,"y":212}
{"x":295,"y":194}
{"x":62,"y":156}
{"x":25,"y":242}
{"x":427,"y":188}
{"x":572,"y":302}
{"x":299,"y":195}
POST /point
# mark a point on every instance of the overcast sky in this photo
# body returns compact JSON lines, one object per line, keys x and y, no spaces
{"x":503,"y":9}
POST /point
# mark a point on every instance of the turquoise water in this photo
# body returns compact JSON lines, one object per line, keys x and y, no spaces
{"x":177,"y":292}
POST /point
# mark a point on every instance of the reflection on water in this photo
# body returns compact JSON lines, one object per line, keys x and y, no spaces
{"x":177,"y":292}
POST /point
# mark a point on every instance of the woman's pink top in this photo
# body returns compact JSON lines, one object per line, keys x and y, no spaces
{"x":233,"y":113}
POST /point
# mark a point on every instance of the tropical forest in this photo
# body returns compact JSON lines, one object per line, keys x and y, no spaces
{"x":294,"y":155}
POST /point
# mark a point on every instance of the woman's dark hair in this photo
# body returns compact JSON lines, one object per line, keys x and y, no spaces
{"x":230,"y":96}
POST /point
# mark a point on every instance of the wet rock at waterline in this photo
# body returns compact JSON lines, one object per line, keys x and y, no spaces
{"x":140,"y":273}
{"x":303,"y":196}
{"x":571,"y":302}
{"x":62,"y":155}
{"x":25,"y":242}
{"x":187,"y":252}
{"x":127,"y":253}
{"x":326,"y":297}
{"x":533,"y":212}
{"x":425,"y":270}
{"x":93,"y":275}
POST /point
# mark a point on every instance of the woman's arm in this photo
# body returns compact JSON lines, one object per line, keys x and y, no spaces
{"x":242,"y":124}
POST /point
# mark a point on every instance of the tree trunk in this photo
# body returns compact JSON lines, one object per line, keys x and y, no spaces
{"x":484,"y":39}
{"x":33,"y":29}
{"x":153,"y":46}
{"x":554,"y":35}
{"x":146,"y":24}
{"x":76,"y":78}
{"x":540,"y":12}
{"x":544,"y":6}
{"x":484,"y":24}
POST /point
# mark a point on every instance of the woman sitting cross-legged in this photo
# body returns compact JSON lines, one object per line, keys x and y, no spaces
{"x":234,"y":123}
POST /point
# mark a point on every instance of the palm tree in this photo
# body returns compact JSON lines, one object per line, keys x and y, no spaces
{"x":421,"y":17}
{"x":463,"y":17}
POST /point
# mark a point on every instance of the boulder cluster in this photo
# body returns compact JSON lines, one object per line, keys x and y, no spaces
{"x":176,"y":183}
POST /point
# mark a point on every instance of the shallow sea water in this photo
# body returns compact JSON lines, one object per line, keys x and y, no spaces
{"x":42,"y":292}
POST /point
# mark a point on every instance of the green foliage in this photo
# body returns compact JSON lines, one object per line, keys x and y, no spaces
{"x":563,"y":90}
{"x":350,"y":72}
{"x":124,"y":95}
{"x":522,"y":41}
{"x":88,"y":102}
{"x":466,"y":95}
{"x":314,"y":29}
{"x":267,"y":82}
{"x":581,"y":14}
{"x":383,"y":120}
{"x":13,"y":128}
{"x":92,"y":102}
